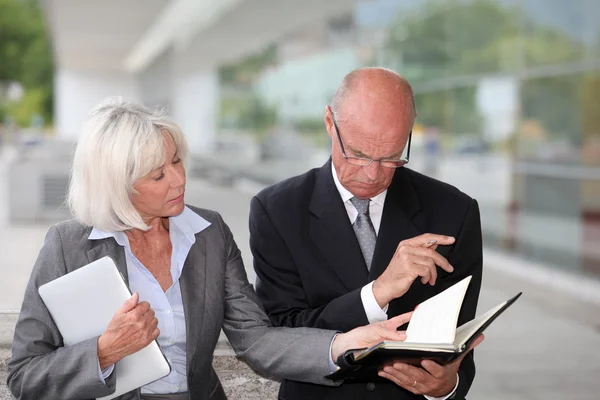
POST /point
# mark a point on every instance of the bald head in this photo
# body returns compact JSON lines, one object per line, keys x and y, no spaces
{"x":372,"y":115}
{"x":371,"y":90}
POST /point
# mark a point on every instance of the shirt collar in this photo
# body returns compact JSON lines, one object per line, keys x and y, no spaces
{"x":188,"y":223}
{"x":347,"y":195}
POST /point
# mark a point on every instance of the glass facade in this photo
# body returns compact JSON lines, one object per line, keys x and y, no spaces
{"x":508,"y":101}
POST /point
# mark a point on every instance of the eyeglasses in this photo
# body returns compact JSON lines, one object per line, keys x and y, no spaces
{"x":365,"y":162}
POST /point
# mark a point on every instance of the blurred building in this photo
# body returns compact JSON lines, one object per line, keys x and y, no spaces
{"x":508,"y":90}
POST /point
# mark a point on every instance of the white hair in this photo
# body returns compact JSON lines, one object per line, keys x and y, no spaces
{"x":120,"y":143}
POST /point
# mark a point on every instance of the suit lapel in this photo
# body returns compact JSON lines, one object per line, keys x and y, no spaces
{"x":193,"y":293}
{"x":332,"y":233}
{"x":401,"y":206}
{"x":110,"y":248}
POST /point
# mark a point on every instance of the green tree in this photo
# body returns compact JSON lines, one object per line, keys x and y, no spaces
{"x":15,"y":35}
{"x":459,"y":40}
{"x":244,"y":71}
{"x":25,"y":57}
{"x":247,"y":111}
{"x":446,"y":38}
{"x":258,"y":117}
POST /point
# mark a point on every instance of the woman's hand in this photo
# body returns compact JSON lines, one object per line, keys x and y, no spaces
{"x":132,"y":328}
{"x":369,"y":335}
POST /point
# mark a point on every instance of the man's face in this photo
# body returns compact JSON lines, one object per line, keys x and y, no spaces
{"x":375,"y":134}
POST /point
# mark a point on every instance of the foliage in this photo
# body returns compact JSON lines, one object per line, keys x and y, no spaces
{"x":240,"y":107}
{"x":26,"y":58}
{"x":244,"y":72}
{"x":29,"y":106}
{"x":248,"y":112}
{"x":460,"y":41}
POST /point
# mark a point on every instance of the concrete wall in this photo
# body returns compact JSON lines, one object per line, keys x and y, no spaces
{"x":77,"y":92}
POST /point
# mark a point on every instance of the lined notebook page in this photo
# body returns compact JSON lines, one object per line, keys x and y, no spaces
{"x":434,"y":320}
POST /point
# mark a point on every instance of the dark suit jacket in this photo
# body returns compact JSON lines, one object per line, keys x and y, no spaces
{"x":310,"y":269}
{"x":216,"y":294}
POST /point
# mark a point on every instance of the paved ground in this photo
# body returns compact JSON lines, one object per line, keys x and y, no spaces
{"x":546,"y":347}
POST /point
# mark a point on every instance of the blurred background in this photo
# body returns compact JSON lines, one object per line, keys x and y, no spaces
{"x":508,"y":101}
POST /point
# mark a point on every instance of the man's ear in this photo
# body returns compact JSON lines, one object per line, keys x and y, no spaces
{"x":328,"y":119}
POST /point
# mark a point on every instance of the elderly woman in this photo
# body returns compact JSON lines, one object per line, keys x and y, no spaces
{"x":182,"y":264}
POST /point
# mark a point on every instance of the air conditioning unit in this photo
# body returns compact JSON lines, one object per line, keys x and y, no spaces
{"x":38,"y":179}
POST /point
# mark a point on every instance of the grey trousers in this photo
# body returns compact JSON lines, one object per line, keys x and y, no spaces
{"x":173,"y":396}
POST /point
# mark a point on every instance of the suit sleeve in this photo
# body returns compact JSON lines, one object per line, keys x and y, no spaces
{"x":279,"y":285}
{"x":467,"y":257}
{"x":40,"y":365}
{"x":300,"y":354}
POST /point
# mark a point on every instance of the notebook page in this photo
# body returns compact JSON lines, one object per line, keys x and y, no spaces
{"x":464,"y":332}
{"x":434,"y":320}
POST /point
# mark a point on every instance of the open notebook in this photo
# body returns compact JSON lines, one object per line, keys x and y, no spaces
{"x":431,"y":334}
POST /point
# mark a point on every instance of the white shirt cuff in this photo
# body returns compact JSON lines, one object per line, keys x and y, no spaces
{"x":332,"y":366}
{"x":446,"y":396}
{"x":105,"y":373}
{"x":372,"y":309}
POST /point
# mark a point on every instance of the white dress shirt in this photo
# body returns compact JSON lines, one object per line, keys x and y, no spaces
{"x":372,"y":310}
{"x":167,"y":305}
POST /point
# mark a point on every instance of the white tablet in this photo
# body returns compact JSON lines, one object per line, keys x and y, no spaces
{"x":83,"y":302}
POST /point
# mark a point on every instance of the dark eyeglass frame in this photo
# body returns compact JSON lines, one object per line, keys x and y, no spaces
{"x":365,"y":162}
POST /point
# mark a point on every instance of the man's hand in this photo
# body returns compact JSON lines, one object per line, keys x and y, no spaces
{"x":132,"y":328}
{"x":369,"y":335}
{"x":432,"y":380}
{"x":413,"y":258}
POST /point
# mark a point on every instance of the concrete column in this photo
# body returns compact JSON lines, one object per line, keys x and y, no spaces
{"x":195,"y":107}
{"x":77,"y":92}
{"x":156,"y":82}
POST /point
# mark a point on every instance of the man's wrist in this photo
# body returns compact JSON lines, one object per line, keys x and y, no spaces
{"x":449,"y":396}
{"x":380,"y":294}
{"x":372,"y":309}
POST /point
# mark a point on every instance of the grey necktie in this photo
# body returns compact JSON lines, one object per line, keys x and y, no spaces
{"x":363,"y":228}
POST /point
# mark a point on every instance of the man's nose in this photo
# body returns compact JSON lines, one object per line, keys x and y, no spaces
{"x":372,"y":170}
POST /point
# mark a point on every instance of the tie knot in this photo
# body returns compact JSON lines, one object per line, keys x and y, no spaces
{"x":362,"y":205}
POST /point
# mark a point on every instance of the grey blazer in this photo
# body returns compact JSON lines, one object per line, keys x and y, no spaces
{"x":216,"y":294}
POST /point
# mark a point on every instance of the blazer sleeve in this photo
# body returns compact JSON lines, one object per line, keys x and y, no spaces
{"x":40,"y":365}
{"x":279,"y":285}
{"x":467,"y":257}
{"x":300,"y":354}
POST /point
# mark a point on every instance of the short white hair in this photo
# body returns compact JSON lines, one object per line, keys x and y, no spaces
{"x":120,"y":143}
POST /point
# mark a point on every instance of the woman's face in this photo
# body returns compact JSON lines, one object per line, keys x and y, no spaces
{"x":161,"y":192}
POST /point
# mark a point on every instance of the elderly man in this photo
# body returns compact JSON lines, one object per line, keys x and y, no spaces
{"x":363,"y":239}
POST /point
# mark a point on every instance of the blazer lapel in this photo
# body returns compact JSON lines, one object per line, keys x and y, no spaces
{"x":401,"y":206}
{"x":109,"y":247}
{"x":193,"y":293}
{"x":332,"y":233}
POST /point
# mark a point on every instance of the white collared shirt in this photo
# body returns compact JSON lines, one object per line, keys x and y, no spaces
{"x":372,"y":309}
{"x":168,"y":305}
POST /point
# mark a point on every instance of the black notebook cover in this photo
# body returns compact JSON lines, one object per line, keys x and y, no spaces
{"x":367,"y":367}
